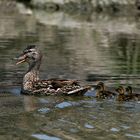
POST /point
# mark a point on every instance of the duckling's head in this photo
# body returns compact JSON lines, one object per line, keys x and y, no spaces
{"x":100,"y":86}
{"x":129,"y":90}
{"x":121,"y":90}
{"x":31,"y":55}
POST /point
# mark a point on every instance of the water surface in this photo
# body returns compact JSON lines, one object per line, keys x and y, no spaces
{"x":89,"y":48}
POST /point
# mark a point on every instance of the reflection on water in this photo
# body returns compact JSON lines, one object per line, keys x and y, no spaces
{"x":91,"y":49}
{"x":86,"y":118}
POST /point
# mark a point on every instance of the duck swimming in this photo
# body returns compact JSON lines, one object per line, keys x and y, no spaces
{"x":102,"y":93}
{"x":32,"y":85}
{"x":121,"y":96}
{"x":131,"y":95}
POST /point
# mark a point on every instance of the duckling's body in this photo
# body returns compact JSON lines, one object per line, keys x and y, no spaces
{"x":32,"y":85}
{"x":102,"y":93}
{"x":131,"y":95}
{"x":122,"y":96}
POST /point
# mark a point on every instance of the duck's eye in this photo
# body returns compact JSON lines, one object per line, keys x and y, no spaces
{"x":33,"y":53}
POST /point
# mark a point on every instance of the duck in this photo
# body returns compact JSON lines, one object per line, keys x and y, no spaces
{"x":102,"y":93}
{"x":131,"y":95}
{"x":121,"y":94}
{"x":33,"y":85}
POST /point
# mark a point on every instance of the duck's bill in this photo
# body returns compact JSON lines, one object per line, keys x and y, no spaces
{"x":20,"y":59}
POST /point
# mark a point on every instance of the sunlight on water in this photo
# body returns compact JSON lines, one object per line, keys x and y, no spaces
{"x":63,"y":105}
{"x":133,"y":136}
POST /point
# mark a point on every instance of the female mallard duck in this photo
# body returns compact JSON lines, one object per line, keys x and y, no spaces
{"x":102,"y":93}
{"x":33,"y":86}
{"x":131,"y":95}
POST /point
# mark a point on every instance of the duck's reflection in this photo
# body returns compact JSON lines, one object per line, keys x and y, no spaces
{"x":30,"y":103}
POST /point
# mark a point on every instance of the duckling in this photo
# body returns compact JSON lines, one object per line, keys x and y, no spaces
{"x":121,"y":96}
{"x":131,"y":95}
{"x":102,"y":93}
{"x":32,"y":85}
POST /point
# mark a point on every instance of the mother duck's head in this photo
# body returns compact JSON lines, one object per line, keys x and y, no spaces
{"x":31,"y":55}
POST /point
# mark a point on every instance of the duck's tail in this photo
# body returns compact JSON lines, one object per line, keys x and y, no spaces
{"x":79,"y":91}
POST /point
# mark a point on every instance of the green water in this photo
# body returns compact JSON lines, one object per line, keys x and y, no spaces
{"x":89,"y":48}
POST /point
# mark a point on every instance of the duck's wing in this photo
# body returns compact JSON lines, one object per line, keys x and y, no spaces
{"x":41,"y":84}
{"x":61,"y":83}
{"x":56,"y":83}
{"x":66,"y":90}
{"x":61,"y":80}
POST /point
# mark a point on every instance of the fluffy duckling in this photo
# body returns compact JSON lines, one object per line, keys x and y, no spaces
{"x":102,"y":93}
{"x":121,"y":96}
{"x":131,"y":95}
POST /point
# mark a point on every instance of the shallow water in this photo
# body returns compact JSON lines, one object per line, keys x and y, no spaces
{"x":89,"y":48}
